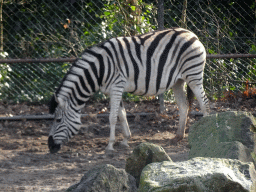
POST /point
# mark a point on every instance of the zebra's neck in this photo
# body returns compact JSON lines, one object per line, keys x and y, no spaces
{"x":84,"y":77}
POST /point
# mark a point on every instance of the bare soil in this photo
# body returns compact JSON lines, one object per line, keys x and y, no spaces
{"x":27,"y":165}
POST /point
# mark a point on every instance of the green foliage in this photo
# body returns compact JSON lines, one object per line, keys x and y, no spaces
{"x":222,"y":26}
{"x":252,"y":66}
{"x":53,"y":29}
{"x":120,"y":18}
{"x":253,"y":49}
{"x":31,"y":82}
{"x":99,"y":96}
{"x":168,"y":95}
{"x":228,"y":75}
{"x":132,"y":97}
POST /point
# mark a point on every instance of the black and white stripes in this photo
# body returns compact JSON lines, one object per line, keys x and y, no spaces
{"x":146,"y":64}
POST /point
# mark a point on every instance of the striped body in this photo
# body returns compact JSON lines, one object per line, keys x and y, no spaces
{"x":147,"y":64}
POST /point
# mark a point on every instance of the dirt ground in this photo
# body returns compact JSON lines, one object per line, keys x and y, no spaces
{"x":27,"y":165}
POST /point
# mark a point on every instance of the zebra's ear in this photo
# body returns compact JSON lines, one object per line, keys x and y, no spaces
{"x":52,"y":105}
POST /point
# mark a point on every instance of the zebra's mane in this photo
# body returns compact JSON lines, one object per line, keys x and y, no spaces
{"x":52,"y":105}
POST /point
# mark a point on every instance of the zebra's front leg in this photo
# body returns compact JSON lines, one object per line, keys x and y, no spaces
{"x":180,"y":97}
{"x":111,"y":142}
{"x":124,"y":124}
{"x":115,"y":99}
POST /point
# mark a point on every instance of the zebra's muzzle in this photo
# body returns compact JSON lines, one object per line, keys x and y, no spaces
{"x":54,"y":148}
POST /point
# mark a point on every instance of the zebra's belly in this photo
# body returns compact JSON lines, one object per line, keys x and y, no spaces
{"x":141,"y":90}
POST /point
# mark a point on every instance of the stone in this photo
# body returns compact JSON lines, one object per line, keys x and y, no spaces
{"x":199,"y":174}
{"x":224,"y":135}
{"x":228,"y":150}
{"x":142,"y":155}
{"x":105,"y":178}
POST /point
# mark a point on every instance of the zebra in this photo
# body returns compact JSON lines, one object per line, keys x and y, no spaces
{"x":147,"y":64}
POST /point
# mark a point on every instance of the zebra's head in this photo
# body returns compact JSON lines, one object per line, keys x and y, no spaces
{"x":66,"y":122}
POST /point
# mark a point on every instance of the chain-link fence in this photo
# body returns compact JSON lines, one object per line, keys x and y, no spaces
{"x":63,"y":29}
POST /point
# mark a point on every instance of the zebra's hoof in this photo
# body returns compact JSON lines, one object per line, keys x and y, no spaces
{"x":109,"y":153}
{"x":109,"y":147}
{"x":124,"y":144}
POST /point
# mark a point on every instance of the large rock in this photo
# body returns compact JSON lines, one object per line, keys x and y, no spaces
{"x":142,"y":155}
{"x":224,"y":135}
{"x":199,"y":174}
{"x":105,"y":178}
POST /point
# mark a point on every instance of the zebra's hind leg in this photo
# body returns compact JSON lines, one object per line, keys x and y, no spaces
{"x":198,"y":90}
{"x":124,"y":124}
{"x":180,"y":97}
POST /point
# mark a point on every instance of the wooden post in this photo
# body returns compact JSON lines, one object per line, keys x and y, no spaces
{"x":184,"y":14}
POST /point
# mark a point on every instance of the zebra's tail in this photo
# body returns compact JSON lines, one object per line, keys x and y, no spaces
{"x":190,"y":96}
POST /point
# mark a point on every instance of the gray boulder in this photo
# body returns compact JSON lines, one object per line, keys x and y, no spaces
{"x":228,"y":135}
{"x":105,"y":178}
{"x":199,"y":174}
{"x":142,"y":155}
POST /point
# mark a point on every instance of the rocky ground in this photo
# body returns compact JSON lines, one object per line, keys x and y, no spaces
{"x":27,"y":165}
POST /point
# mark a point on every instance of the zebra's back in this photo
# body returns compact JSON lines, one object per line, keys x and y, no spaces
{"x":149,"y":64}
{"x":153,"y":62}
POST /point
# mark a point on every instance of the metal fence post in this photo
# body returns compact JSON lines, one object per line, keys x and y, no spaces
{"x":1,"y":26}
{"x":160,"y":20}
